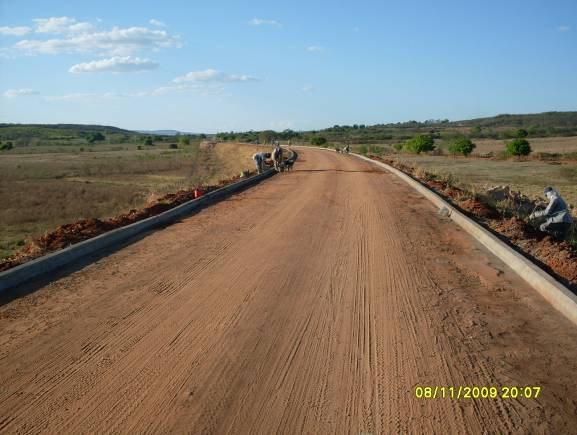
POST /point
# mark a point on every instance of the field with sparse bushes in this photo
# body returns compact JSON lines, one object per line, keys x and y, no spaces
{"x":44,"y":186}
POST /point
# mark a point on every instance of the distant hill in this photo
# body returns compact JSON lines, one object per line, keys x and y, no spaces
{"x":545,"y":119}
{"x":64,"y":127}
{"x":546,"y":124}
{"x":165,"y":132}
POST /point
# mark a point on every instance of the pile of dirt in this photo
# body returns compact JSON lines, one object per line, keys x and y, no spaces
{"x":69,"y":234}
{"x":478,"y":208}
{"x":84,"y":229}
{"x":558,"y":255}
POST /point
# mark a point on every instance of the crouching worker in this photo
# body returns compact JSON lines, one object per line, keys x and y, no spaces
{"x":557,"y":215}
{"x":259,"y":160}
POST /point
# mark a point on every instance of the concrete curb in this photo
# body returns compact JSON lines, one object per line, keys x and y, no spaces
{"x":48,"y":263}
{"x":552,"y":290}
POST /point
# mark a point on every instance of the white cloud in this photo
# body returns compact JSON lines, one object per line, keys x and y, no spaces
{"x":214,"y":76}
{"x":564,"y":28}
{"x":156,"y":22}
{"x":203,"y":90}
{"x":165,"y":90}
{"x":315,"y":48}
{"x":118,"y":42}
{"x":86,"y":97}
{"x":307,"y":89}
{"x":282,"y":125}
{"x":115,"y":64}
{"x":57,"y":25}
{"x":14,"y":31}
{"x":261,"y":22}
{"x":12,"y":93}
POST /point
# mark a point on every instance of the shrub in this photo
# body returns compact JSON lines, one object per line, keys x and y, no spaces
{"x":518,"y":147}
{"x":421,"y":143}
{"x":398,"y":147}
{"x":6,"y":146}
{"x":95,"y":137}
{"x":173,"y":146}
{"x":318,"y":140}
{"x":377,"y":150}
{"x":462,"y":146}
{"x":148,"y":141}
{"x":184,"y":140}
{"x":362,"y":149}
{"x":522,"y":133}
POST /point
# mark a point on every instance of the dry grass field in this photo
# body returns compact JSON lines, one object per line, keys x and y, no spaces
{"x":530,"y":176}
{"x":542,"y":144}
{"x":42,"y":188}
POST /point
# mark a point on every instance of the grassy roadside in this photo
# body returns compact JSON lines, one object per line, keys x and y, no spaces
{"x":40,"y":191}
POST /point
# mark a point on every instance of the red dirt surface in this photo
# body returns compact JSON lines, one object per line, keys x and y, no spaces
{"x":314,"y":302}
{"x":559,"y":256}
{"x":480,"y":209}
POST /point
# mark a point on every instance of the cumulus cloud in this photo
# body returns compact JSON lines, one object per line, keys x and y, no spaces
{"x":12,"y":93}
{"x":15,"y":31}
{"x":263,"y":22}
{"x":315,"y":48}
{"x":564,"y":28}
{"x":214,"y":76}
{"x":156,"y":22}
{"x":58,"y":25}
{"x":115,"y":64}
{"x":82,"y":38}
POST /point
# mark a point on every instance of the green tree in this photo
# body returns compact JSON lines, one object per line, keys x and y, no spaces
{"x":318,"y":140}
{"x":519,"y":147}
{"x":421,"y":143}
{"x":96,"y":137}
{"x":462,"y":146}
{"x":6,"y":146}
{"x":148,"y":141}
{"x":266,"y":136}
{"x":522,"y":133}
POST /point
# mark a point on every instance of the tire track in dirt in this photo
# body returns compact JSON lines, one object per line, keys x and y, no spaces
{"x":315,"y":302}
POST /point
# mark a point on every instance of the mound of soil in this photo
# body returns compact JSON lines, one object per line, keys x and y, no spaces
{"x":479,"y":208}
{"x":560,"y":256}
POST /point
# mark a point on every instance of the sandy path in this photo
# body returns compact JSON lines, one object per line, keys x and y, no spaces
{"x":314,"y":302}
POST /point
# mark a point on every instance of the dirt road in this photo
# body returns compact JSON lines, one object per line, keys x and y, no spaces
{"x":315,"y":302}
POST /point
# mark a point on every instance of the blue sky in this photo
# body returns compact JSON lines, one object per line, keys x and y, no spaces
{"x":220,"y":66}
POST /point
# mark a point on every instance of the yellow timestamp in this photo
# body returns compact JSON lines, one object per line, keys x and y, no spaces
{"x":467,"y":392}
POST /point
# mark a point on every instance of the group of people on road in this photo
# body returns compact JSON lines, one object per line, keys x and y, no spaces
{"x":276,"y":155}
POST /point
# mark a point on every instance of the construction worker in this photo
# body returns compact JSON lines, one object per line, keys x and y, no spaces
{"x":277,"y":156}
{"x":259,"y":159}
{"x":558,"y":218}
